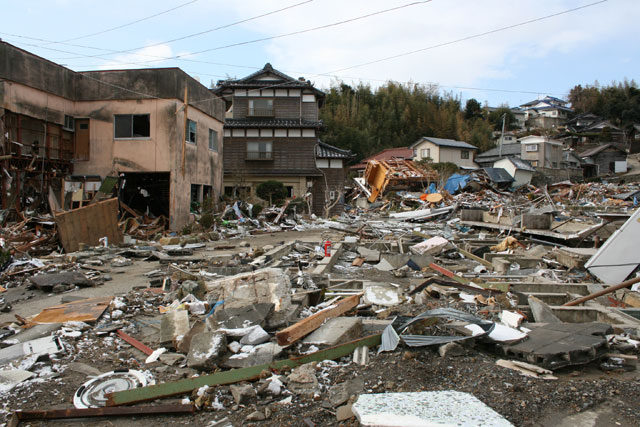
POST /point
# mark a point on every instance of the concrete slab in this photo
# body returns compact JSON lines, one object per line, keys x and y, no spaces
{"x":427,"y":408}
{"x":327,"y":263}
{"x":542,"y":313}
{"x":557,"y":345}
{"x":369,"y":255}
{"x":336,"y":331}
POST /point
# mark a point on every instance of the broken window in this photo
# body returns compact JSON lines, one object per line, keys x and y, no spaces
{"x":261,"y":107}
{"x":132,"y":126}
{"x":191,"y":132}
{"x":213,"y":140}
{"x":68,"y":123}
{"x":464,"y":154}
{"x":259,"y":150}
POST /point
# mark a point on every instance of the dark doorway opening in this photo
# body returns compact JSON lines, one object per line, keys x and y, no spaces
{"x":147,"y":193}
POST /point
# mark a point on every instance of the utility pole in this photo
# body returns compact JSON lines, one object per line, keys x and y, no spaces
{"x":504,"y":117}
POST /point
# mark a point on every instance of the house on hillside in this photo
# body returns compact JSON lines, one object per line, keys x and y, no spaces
{"x":441,"y":150}
{"x":271,"y":133}
{"x":541,"y":151}
{"x":520,"y":170}
{"x":81,"y":127}
{"x":604,"y":159}
{"x":399,"y":153}
{"x":489,"y":157}
{"x":546,"y":113}
{"x":588,"y":128}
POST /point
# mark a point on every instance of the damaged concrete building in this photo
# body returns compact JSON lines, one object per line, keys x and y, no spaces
{"x":63,"y":132}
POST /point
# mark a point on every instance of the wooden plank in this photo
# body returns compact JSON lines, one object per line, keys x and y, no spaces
{"x":144,"y":394}
{"x":358,"y":262}
{"x":134,"y":342}
{"x":88,"y":224}
{"x":475,"y":258}
{"x":450,"y":274}
{"x":87,"y":310}
{"x":304,"y":327}
{"x":57,"y":414}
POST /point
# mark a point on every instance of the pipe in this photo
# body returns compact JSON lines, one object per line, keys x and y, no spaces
{"x":603,"y":292}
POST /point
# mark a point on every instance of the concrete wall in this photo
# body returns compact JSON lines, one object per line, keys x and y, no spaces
{"x":544,"y":176}
{"x":41,"y":89}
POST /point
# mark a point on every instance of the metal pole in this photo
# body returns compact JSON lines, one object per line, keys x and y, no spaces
{"x":603,"y":292}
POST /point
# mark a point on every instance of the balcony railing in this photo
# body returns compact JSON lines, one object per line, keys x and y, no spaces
{"x":259,"y":155}
{"x":261,"y":112}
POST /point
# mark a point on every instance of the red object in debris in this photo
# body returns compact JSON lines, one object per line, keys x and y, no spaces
{"x":327,"y":248}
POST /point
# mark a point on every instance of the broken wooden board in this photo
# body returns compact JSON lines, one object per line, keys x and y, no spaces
{"x":304,"y":327}
{"x":504,"y":287}
{"x":147,"y":393}
{"x":527,"y":369}
{"x":86,"y":310}
{"x":89,"y":224}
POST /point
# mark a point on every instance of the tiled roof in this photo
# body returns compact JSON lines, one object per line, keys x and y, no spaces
{"x":498,"y":175}
{"x":595,"y":150}
{"x":507,"y":150}
{"x":326,"y":151}
{"x":251,"y":81}
{"x":445,"y":143}
{"x":272,"y":123}
{"x":521,"y":164}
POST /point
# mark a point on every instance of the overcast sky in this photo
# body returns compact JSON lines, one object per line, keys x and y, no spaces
{"x":510,"y":65}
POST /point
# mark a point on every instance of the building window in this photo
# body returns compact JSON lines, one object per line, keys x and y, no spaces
{"x":531,"y":147}
{"x":69,"y":123}
{"x":425,"y":153}
{"x":132,"y":126}
{"x":213,"y":140}
{"x":554,"y":164}
{"x":290,"y":193}
{"x":259,"y":150}
{"x":464,"y":154}
{"x":534,"y":163}
{"x":192,"y":136}
{"x":261,"y":107}
{"x":335,"y":163}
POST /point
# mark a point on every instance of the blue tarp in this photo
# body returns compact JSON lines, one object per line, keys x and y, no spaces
{"x":432,"y":188}
{"x":456,"y":182}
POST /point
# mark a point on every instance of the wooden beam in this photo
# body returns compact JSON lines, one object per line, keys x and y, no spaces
{"x":304,"y":327}
{"x":476,"y":258}
{"x":504,"y":287}
{"x":134,"y":342}
{"x":57,"y":414}
{"x":143,"y":394}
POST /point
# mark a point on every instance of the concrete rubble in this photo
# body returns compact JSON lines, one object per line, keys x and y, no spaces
{"x":425,"y":310}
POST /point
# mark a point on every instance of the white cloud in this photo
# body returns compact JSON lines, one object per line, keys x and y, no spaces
{"x":502,"y":55}
{"x":148,"y":57}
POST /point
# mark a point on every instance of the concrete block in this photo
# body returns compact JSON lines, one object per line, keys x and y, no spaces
{"x":335,"y":331}
{"x":557,"y":345}
{"x":207,"y":348}
{"x":242,"y":393}
{"x":541,"y":311}
{"x":233,"y":318}
{"x":263,"y":353}
{"x":471,"y":215}
{"x":536,"y":221}
{"x":500,"y":265}
{"x":327,"y":263}
{"x":369,"y":255}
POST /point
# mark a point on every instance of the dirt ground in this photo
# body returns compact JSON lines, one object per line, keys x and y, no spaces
{"x":583,"y":395}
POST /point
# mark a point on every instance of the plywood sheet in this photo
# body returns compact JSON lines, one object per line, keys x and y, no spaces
{"x":87,"y":310}
{"x":89,"y":224}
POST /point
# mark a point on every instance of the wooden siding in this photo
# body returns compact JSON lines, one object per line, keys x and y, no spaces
{"x":604,"y":159}
{"x":289,"y":155}
{"x":283,"y":108}
{"x":335,"y":181}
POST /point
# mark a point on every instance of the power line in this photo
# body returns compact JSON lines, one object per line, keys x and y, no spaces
{"x":307,"y":30}
{"x":111,"y":51}
{"x":222,"y":27}
{"x":129,"y":23}
{"x":468,"y":37}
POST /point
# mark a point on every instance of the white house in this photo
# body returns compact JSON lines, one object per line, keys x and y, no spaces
{"x":520,"y":170}
{"x":441,"y":150}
